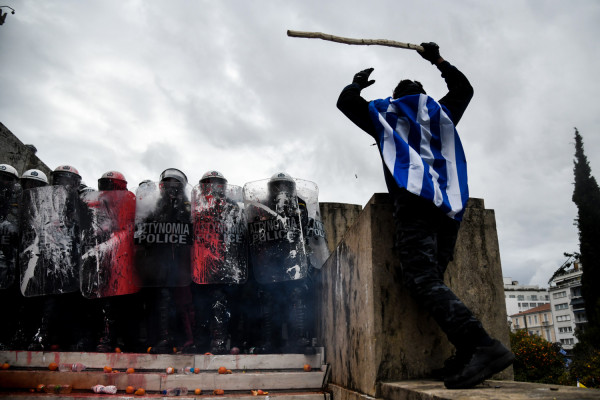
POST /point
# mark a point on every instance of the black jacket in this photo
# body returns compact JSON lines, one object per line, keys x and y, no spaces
{"x":356,"y":108}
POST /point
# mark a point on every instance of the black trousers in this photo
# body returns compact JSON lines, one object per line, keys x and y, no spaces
{"x":425,"y":239}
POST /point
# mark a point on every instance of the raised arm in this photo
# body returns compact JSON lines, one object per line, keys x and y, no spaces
{"x":460,"y":90}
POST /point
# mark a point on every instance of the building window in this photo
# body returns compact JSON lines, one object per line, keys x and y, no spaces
{"x":562,"y":318}
{"x":534,"y":297}
{"x":559,"y":295}
{"x":565,"y":329}
{"x":529,"y":318}
{"x":511,"y":296}
{"x":545,"y":317}
{"x":520,"y":297}
{"x":561,"y":306}
{"x":566,"y":341}
{"x":535,"y":319}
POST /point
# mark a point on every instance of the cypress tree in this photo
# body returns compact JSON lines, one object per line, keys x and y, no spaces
{"x":586,"y":197}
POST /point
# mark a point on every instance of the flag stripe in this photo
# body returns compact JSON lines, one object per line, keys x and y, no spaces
{"x":420,"y":146}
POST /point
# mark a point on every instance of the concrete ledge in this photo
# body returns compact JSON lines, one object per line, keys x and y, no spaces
{"x":489,"y":390}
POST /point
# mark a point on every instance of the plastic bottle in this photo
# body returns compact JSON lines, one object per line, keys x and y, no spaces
{"x":178,"y":391}
{"x":187,"y":370}
{"x":104,"y":389}
{"x":75,"y":367}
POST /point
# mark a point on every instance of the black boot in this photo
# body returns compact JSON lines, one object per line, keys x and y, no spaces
{"x":265,"y":301}
{"x":106,"y":344}
{"x":165,"y":343}
{"x":219,"y":325}
{"x":299,"y":341}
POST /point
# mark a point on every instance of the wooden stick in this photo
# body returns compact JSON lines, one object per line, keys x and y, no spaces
{"x":366,"y":42}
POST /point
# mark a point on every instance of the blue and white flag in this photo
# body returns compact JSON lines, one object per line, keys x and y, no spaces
{"x":421,"y":148}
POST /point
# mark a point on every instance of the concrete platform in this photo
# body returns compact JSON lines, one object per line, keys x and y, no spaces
{"x":489,"y":390}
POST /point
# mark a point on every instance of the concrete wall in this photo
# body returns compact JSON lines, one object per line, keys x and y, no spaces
{"x":371,"y":328}
{"x":15,"y":153}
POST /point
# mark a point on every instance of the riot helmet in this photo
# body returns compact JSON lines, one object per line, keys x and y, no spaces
{"x":83,"y":188}
{"x":407,"y":87}
{"x":213,"y":177}
{"x":8,"y":174}
{"x":213,"y":182}
{"x":282,"y":193}
{"x":112,"y":180}
{"x":66,"y":175}
{"x":282,"y":182}
{"x":173,"y":182}
{"x":33,"y":178}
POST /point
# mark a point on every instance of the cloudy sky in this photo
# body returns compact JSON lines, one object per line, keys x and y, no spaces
{"x":140,"y":86}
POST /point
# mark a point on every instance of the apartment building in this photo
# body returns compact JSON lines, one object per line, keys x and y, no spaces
{"x":567,"y":304}
{"x":521,"y":298}
{"x":537,"y":321}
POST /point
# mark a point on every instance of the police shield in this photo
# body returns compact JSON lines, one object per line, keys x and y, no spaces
{"x":107,"y":263}
{"x":313,"y":229}
{"x":163,"y":234}
{"x":9,"y":233}
{"x":276,"y":244}
{"x":49,"y":257}
{"x":220,"y":234}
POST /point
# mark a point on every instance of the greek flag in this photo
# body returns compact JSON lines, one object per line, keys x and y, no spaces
{"x":421,"y":148}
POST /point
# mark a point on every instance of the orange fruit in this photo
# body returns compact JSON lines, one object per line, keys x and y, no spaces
{"x":222,"y":370}
{"x":197,"y":391}
{"x":261,"y":392}
{"x":254,"y":392}
{"x":218,"y":391}
{"x":149,"y":349}
{"x":107,"y":368}
{"x":170,"y":370}
{"x":140,"y":392}
{"x":129,"y":389}
{"x":229,"y":371}
{"x":307,"y":367}
{"x":130,"y":370}
{"x":118,"y":350}
{"x":208,"y":354}
{"x":40,"y":387}
{"x":5,"y":365}
{"x":115,"y":371}
{"x":53,"y":366}
{"x":196,"y":370}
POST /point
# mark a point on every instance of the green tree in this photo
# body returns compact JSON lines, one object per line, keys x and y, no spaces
{"x":586,"y":197}
{"x":537,"y":360}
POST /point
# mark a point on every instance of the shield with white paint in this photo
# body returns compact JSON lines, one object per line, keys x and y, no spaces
{"x":314,"y":231}
{"x":49,"y":256}
{"x":163,"y":234}
{"x":9,"y":233}
{"x":276,"y":243}
{"x":220,"y":234}
{"x":107,"y":260}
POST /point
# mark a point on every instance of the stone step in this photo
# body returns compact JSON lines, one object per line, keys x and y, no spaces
{"x":307,"y":395}
{"x":148,"y":362}
{"x":269,"y":372}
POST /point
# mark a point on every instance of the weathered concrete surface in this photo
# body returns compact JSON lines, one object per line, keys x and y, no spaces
{"x":15,"y":153}
{"x":337,"y":218}
{"x":371,"y":329}
{"x":489,"y":390}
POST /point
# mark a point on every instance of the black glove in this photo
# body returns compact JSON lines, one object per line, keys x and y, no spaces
{"x":362,"y":78}
{"x":431,"y":52}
